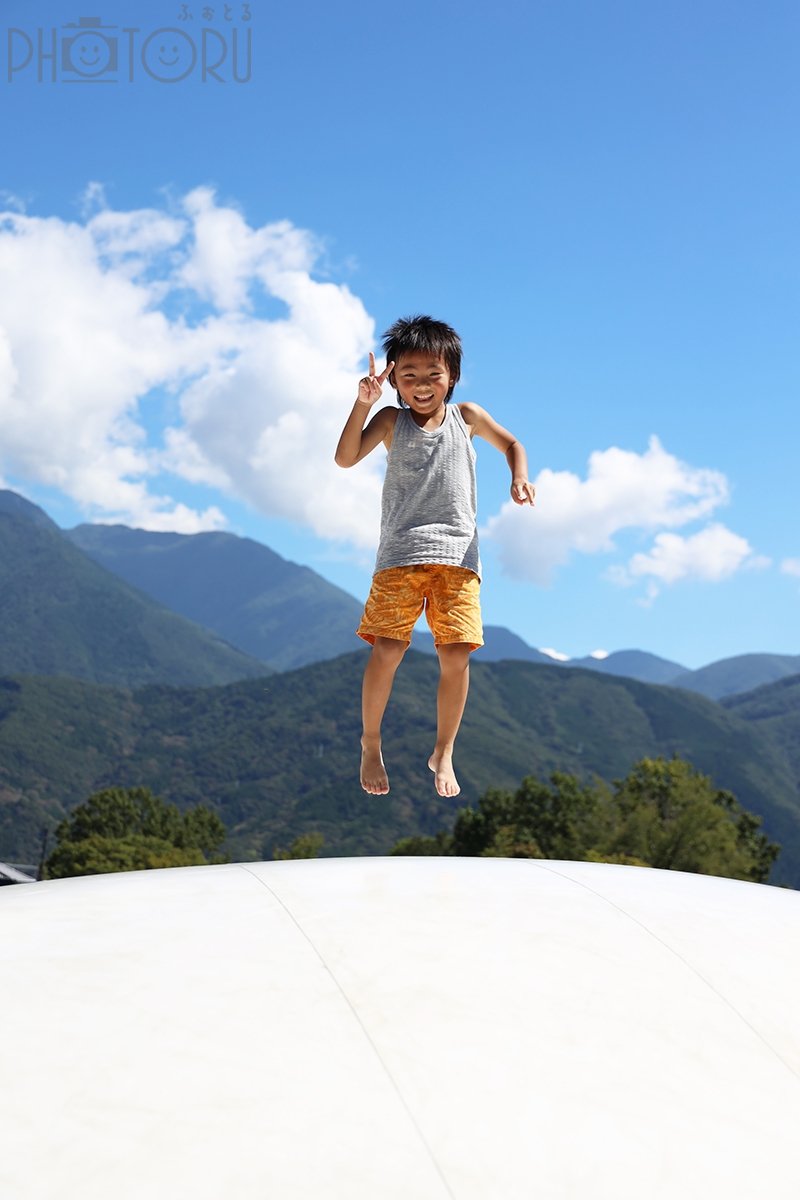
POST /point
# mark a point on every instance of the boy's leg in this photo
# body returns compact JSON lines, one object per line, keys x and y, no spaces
{"x":454,"y":615}
{"x":395,"y":601}
{"x":378,"y":679}
{"x":450,"y":702}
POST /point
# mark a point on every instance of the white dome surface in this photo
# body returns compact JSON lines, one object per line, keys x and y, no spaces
{"x":409,"y":1028}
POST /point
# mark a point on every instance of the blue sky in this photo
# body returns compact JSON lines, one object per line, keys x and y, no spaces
{"x":601,"y":197}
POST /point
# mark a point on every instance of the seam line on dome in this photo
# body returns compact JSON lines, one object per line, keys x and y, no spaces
{"x":690,"y":966}
{"x":361,"y":1026}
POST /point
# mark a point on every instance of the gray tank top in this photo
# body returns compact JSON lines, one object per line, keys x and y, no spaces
{"x":429,"y":508}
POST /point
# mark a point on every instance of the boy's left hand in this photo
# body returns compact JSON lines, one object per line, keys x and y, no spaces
{"x":522,"y":491}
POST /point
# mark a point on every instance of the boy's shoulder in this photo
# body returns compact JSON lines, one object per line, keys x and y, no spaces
{"x":473,"y":415}
{"x":388,"y":417}
{"x":482,"y":424}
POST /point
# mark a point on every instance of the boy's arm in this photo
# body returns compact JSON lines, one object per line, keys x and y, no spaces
{"x":483,"y":425}
{"x":356,"y":442}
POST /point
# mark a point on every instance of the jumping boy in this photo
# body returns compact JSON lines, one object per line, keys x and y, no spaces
{"x":428,"y":552}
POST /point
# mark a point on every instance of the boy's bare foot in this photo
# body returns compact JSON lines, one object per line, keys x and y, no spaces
{"x":441,"y":763}
{"x":373,"y":772}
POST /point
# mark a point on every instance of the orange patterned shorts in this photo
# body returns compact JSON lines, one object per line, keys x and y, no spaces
{"x":449,"y":597}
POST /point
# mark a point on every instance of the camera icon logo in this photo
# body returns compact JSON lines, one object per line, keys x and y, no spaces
{"x":89,"y":53}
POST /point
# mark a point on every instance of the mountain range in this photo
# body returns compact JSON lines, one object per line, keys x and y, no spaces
{"x":276,"y":611}
{"x":278,"y":756}
{"x":286,"y":615}
{"x":119,"y":605}
{"x":62,"y":614}
{"x":214,"y":671}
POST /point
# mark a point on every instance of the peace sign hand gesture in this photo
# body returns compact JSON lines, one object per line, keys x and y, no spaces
{"x":369,"y":388}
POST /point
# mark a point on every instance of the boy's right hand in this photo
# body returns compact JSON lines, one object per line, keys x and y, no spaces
{"x":369,"y":388}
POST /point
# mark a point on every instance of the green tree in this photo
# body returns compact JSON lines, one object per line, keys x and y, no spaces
{"x":441,"y":844}
{"x":307,"y":845}
{"x":562,"y":820}
{"x":663,"y":814}
{"x":674,"y":818}
{"x":130,"y":829}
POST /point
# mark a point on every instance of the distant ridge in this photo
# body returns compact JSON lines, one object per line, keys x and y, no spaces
{"x":740,"y":674}
{"x":634,"y":664}
{"x":284,"y":614}
{"x":14,"y":505}
{"x":501,"y":643}
{"x":62,"y":614}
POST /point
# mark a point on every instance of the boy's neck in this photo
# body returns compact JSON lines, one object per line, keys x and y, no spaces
{"x":429,"y":421}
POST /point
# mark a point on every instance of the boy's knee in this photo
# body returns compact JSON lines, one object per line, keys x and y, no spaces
{"x":454,"y":655}
{"x":389,"y":649}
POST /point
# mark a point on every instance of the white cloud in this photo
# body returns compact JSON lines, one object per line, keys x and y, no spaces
{"x":713,"y":554}
{"x":228,"y":257}
{"x":82,"y":346}
{"x":92,"y":198}
{"x":12,"y":200}
{"x":133,"y":349}
{"x":129,"y":241}
{"x":9,"y":376}
{"x":791,"y":566}
{"x":103,"y":388}
{"x":272,"y":421}
{"x":622,"y":490}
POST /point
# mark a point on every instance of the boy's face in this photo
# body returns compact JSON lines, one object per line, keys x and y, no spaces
{"x":422,"y":381}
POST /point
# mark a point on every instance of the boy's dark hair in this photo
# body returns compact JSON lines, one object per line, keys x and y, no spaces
{"x":421,"y":334}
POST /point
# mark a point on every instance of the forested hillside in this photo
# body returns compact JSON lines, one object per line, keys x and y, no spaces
{"x":279,"y":756}
{"x":62,"y":614}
